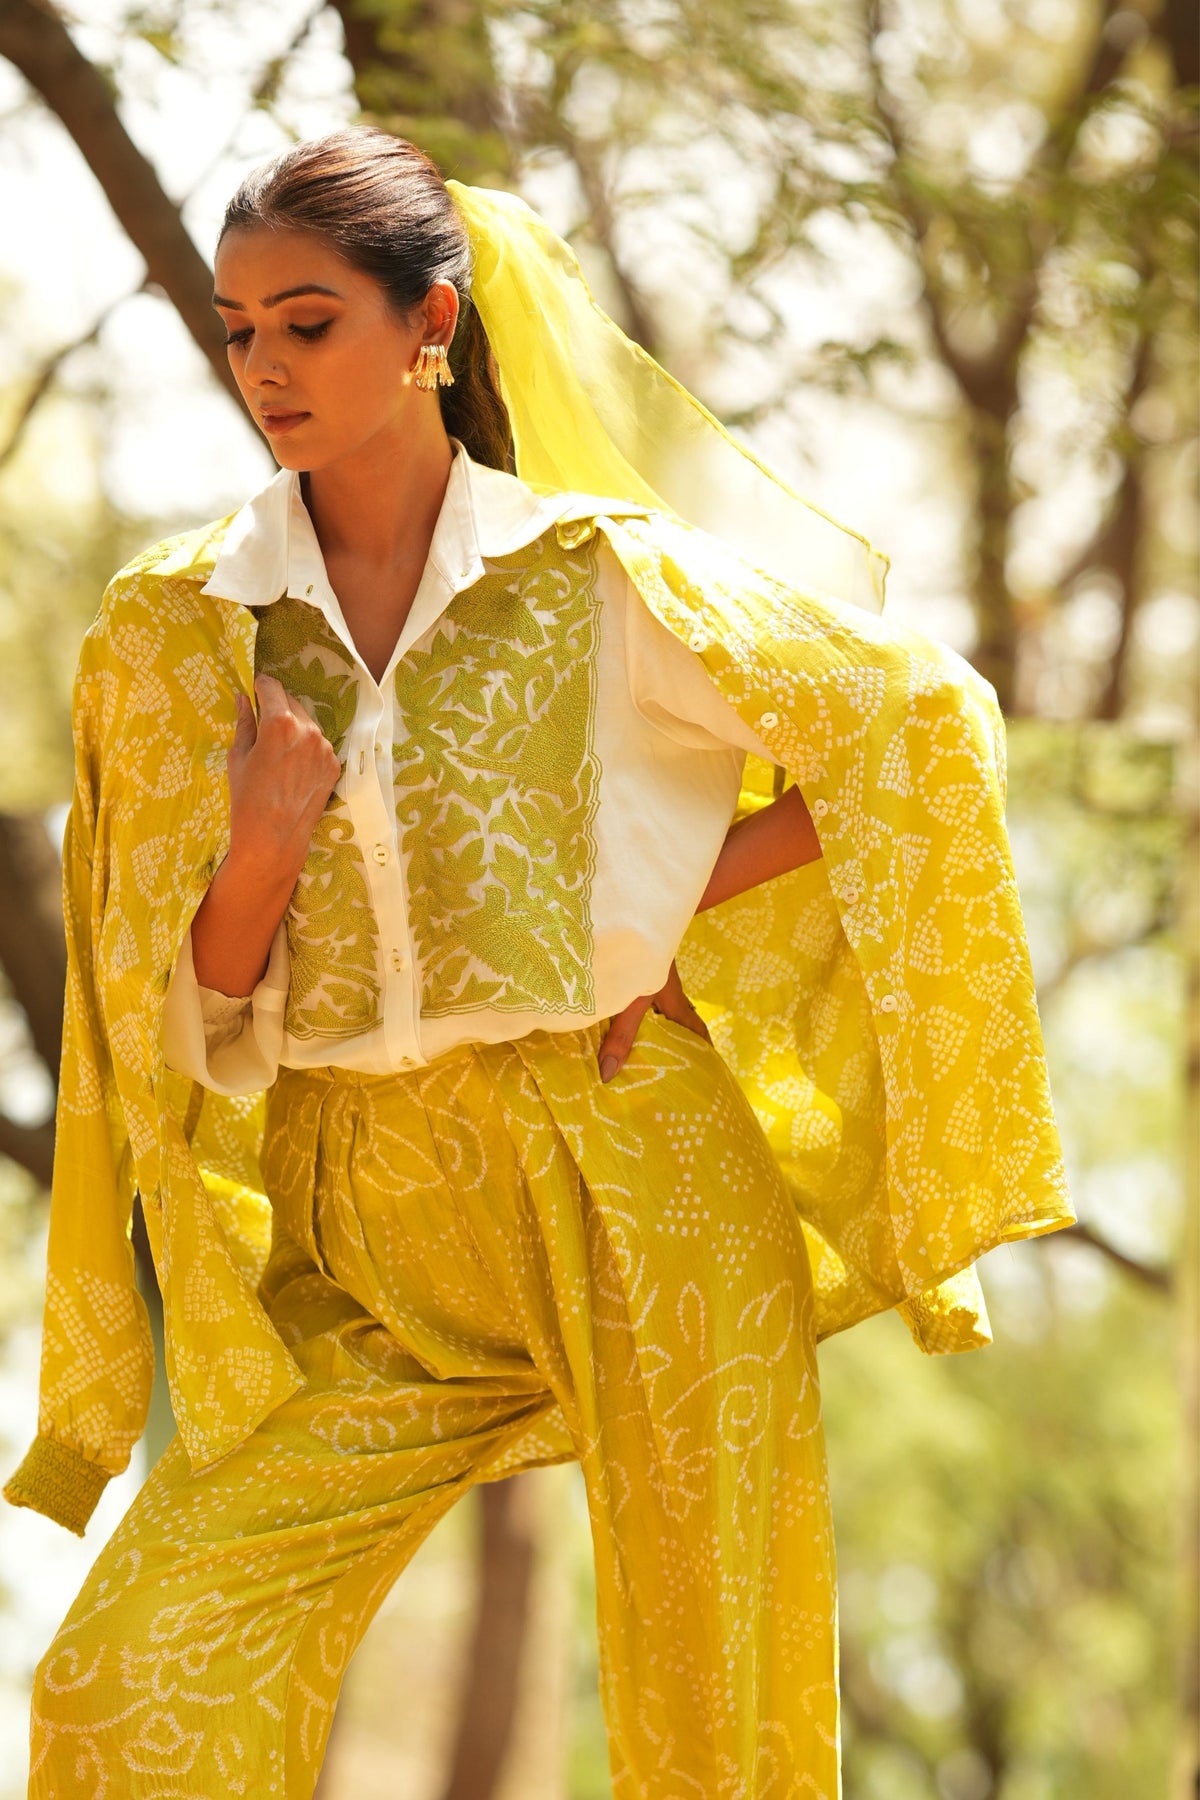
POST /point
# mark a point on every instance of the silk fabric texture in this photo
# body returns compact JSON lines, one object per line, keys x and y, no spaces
{"x":491,"y":1263}
{"x":876,"y":1006}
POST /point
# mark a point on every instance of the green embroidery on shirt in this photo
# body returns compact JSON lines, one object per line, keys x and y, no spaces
{"x":497,"y":785}
{"x":333,"y":938}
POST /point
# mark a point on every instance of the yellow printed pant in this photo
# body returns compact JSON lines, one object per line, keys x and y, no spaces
{"x":492,"y":1262}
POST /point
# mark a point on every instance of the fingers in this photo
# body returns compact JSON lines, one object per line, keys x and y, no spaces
{"x":618,"y":1040}
{"x":283,"y":753}
{"x":673,"y":1003}
{"x":273,"y":698}
{"x":302,"y":708}
{"x":246,"y":730}
{"x":680,"y":1010}
{"x":275,"y":702}
{"x":690,"y":1017}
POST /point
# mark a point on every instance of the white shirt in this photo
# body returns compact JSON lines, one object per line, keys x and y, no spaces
{"x":592,"y":869}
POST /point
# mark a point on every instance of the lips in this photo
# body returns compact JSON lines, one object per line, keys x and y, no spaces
{"x":283,"y":421}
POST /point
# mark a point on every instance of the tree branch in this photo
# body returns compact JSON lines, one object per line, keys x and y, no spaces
{"x":44,"y":378}
{"x":1151,"y":1275}
{"x":35,"y":40}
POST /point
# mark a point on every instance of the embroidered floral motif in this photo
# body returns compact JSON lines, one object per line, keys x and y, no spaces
{"x":497,"y":785}
{"x":334,"y":990}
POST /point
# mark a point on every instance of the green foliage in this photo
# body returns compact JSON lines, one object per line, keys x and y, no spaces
{"x":1006,"y":1532}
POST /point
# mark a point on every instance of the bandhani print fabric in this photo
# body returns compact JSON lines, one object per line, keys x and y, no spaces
{"x":876,"y":1008}
{"x":491,"y":1263}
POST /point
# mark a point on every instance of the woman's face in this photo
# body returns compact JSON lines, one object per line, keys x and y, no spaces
{"x":322,"y":372}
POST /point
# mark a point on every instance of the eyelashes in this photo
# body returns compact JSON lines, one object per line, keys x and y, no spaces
{"x":308,"y":332}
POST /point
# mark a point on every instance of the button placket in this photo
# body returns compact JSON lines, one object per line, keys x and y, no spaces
{"x":366,"y":725}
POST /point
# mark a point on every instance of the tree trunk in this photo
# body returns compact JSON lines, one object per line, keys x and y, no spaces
{"x":32,"y":944}
{"x":491,"y":1678}
{"x":1185,"y":1782}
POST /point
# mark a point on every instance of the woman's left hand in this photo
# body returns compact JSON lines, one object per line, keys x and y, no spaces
{"x":670,"y":1000}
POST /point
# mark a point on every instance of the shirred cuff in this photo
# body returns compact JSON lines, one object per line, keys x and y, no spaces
{"x":951,"y":1316}
{"x":230,"y":1044}
{"x":55,"y":1480}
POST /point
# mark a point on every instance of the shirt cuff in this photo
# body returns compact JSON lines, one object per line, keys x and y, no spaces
{"x":230,"y":1044}
{"x":671,"y":687}
{"x":57,"y":1481}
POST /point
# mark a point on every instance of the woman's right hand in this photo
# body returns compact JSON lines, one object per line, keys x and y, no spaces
{"x":282,"y":770}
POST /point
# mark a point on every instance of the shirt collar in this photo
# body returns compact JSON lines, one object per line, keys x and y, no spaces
{"x":270,"y":546}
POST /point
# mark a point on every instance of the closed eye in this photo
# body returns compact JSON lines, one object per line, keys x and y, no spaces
{"x":307,"y":332}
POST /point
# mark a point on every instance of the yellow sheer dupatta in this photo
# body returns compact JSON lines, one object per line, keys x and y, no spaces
{"x":834,"y":692}
{"x":591,"y":411}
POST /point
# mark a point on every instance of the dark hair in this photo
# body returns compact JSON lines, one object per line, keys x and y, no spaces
{"x":383,"y":205}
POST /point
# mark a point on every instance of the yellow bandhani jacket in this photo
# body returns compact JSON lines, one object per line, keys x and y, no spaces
{"x":876,"y":1005}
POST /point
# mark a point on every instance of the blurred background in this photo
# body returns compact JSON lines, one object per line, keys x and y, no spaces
{"x":936,"y":260}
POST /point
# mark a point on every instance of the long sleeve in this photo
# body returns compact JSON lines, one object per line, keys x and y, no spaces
{"x":671,"y":687}
{"x":97,"y":1358}
{"x":231,"y":1045}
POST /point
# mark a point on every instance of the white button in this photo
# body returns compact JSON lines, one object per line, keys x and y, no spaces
{"x":698,"y":641}
{"x":380,"y":853}
{"x":888,"y":1003}
{"x":406,"y":1062}
{"x":768,"y":720}
{"x":820,"y":808}
{"x":399,"y":961}
{"x":849,"y":895}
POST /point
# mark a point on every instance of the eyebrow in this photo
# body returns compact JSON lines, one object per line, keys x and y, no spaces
{"x":312,"y":287}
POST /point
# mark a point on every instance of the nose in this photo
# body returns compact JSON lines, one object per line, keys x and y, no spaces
{"x":261,"y":364}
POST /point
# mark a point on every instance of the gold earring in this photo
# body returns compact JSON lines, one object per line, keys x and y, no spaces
{"x":433,"y":367}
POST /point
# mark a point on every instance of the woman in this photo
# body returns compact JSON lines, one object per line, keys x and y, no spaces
{"x":405,"y":991}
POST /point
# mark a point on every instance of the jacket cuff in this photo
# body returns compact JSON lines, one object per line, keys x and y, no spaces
{"x":59,"y":1482}
{"x":949,"y":1317}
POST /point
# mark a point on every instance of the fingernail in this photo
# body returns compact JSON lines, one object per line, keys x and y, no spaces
{"x":608,"y":1067}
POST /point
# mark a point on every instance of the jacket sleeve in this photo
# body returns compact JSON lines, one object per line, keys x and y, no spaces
{"x":97,"y":1359}
{"x":229,"y":1044}
{"x":671,"y":687}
